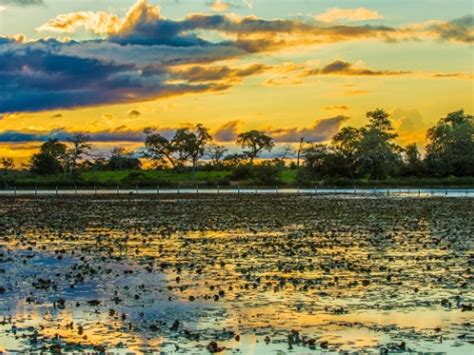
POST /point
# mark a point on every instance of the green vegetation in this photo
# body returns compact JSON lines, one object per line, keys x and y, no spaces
{"x":362,"y":157}
{"x":223,"y":178}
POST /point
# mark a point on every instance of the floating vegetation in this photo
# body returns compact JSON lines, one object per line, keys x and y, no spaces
{"x":236,"y":274}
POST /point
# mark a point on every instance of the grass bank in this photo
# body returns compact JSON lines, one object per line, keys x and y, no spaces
{"x":167,"y":178}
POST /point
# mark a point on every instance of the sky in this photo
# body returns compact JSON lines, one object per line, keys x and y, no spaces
{"x":290,"y":68}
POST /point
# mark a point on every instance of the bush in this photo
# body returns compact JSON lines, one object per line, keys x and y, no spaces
{"x":267,"y":173}
{"x":242,"y":172}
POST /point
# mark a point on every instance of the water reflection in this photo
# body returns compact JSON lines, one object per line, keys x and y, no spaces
{"x":172,"y":274}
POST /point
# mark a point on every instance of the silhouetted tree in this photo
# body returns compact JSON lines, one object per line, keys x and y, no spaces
{"x":120,"y":159}
{"x":345,"y":144}
{"x":158,"y":148}
{"x":6,"y":164}
{"x":450,"y":149}
{"x":299,"y":152}
{"x":80,"y":147}
{"x":191,"y":144}
{"x":317,"y":159}
{"x":368,"y":152}
{"x":51,"y":158}
{"x":45,"y":164}
{"x":255,"y":142}
{"x":216,"y":154}
{"x":54,"y":148}
{"x":233,"y":160}
{"x":377,"y":155}
{"x":413,"y":164}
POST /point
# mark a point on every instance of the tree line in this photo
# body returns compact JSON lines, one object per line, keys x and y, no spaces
{"x":369,"y":152}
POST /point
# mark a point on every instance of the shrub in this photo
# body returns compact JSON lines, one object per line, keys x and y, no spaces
{"x":267,"y":173}
{"x":242,"y":172}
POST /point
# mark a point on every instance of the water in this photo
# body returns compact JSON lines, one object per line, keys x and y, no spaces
{"x":256,"y":274}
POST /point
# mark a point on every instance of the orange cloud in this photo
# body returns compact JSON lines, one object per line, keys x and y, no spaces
{"x":358,"y":14}
{"x":220,"y":5}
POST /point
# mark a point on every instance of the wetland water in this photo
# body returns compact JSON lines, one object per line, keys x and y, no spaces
{"x":250,"y":274}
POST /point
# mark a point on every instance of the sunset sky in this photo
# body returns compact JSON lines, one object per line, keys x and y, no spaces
{"x":292,"y":68}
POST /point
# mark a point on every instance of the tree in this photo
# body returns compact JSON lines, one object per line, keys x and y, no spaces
{"x":191,"y":144}
{"x":45,"y":164}
{"x":377,"y":155}
{"x":450,"y":149}
{"x":413,"y":164}
{"x":285,"y":153}
{"x":233,"y":160}
{"x":80,"y":147}
{"x":51,"y":158}
{"x":345,"y":144}
{"x":120,"y":159}
{"x":216,"y":154}
{"x":6,"y":164}
{"x":255,"y":142}
{"x":54,"y":148}
{"x":158,"y":148}
{"x":300,"y":150}
{"x":317,"y":158}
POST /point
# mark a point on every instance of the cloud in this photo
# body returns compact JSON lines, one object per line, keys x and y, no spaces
{"x":118,"y":135}
{"x":103,"y":23}
{"x":457,"y":30}
{"x":355,"y":92}
{"x":96,"y":22}
{"x":407,"y":120}
{"x":322,"y":130}
{"x":359,"y":14}
{"x":225,"y":5}
{"x":39,"y":77}
{"x":22,"y":2}
{"x":340,"y":67}
{"x":218,"y":73}
{"x":410,"y":126}
{"x":143,"y":24}
{"x":464,"y":76}
{"x":144,"y":56}
{"x":134,"y":114}
{"x":227,"y":132}
{"x":220,"y":5}
{"x":336,"y":108}
{"x":337,"y":68}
